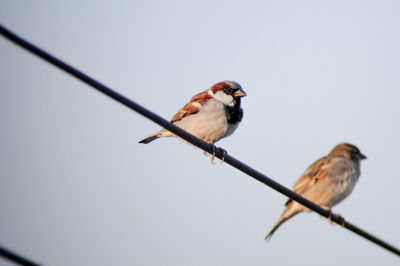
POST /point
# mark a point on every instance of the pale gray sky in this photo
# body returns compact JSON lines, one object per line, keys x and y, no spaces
{"x":77,"y":189}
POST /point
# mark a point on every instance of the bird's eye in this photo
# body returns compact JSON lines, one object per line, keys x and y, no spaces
{"x":229,"y":91}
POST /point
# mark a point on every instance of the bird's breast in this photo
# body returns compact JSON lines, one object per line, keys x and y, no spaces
{"x":209,"y":124}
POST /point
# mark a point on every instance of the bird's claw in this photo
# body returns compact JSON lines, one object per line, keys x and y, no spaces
{"x":224,"y":153}
{"x":341,"y":220}
{"x":217,"y":151}
{"x":329,"y":210}
{"x":212,"y":158}
{"x":330,"y":217}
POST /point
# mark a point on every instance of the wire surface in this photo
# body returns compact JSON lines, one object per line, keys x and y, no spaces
{"x":16,"y":258}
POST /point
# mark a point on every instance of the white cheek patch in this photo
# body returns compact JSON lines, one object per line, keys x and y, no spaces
{"x":224,"y":98}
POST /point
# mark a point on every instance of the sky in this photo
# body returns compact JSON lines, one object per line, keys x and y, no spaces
{"x":76,"y":188}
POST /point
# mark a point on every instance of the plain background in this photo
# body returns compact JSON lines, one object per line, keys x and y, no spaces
{"x":77,"y":189}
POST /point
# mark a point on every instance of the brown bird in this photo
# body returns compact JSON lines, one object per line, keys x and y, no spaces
{"x":326,"y":182}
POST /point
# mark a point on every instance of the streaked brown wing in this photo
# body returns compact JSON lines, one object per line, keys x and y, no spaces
{"x":310,"y":177}
{"x":193,"y":106}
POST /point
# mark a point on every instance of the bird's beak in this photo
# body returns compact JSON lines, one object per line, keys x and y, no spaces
{"x":239,"y":93}
{"x":362,"y":156}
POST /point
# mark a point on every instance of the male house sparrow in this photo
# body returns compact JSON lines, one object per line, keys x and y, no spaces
{"x":326,"y":182}
{"x":210,"y":115}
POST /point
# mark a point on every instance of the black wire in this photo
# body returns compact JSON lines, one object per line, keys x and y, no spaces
{"x":16,"y":258}
{"x":194,"y":140}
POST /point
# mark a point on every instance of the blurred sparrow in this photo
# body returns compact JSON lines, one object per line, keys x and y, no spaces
{"x":326,"y":182}
{"x":210,"y":115}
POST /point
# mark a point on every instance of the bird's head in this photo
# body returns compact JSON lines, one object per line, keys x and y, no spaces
{"x":349,"y":151}
{"x":227,"y":92}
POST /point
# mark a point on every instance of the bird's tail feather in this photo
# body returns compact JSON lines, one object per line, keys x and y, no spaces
{"x":159,"y":134}
{"x":286,"y":215}
{"x":150,"y":138}
{"x":276,"y":226}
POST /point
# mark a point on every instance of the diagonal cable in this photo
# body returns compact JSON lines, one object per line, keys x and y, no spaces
{"x":192,"y":139}
{"x":16,"y":258}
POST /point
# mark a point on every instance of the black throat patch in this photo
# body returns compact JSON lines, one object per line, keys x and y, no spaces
{"x":234,"y":114}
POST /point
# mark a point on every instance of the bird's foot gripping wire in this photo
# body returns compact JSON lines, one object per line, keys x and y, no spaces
{"x":329,"y":213}
{"x":219,"y":152}
{"x":341,"y":219}
{"x":330,"y":217}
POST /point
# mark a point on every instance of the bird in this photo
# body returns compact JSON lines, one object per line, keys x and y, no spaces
{"x":210,"y":115}
{"x":326,"y":182}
